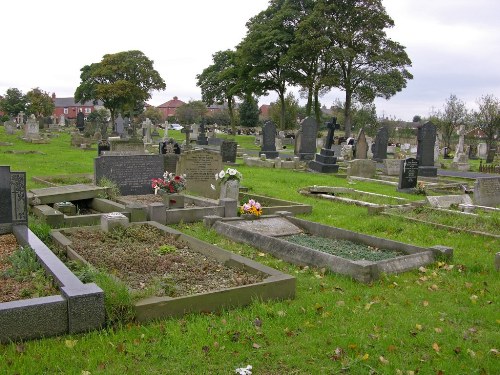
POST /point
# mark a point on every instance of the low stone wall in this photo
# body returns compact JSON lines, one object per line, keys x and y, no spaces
{"x":79,"y":308}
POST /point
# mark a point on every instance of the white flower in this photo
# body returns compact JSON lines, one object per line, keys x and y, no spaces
{"x":212,"y":186}
{"x":231,"y":171}
{"x":222,"y":174}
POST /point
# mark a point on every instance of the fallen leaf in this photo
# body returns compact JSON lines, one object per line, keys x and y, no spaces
{"x":383,"y":360}
{"x":255,"y":345}
{"x":468,"y":285}
{"x":352,"y":346}
{"x":262,"y":254}
{"x":473,"y":298}
{"x":70,"y":343}
{"x":281,"y":313}
{"x":438,"y":330}
{"x":391,"y":348}
{"x":425,"y":303}
{"x":418,"y":326}
{"x":365,"y":357}
{"x":20,"y":348}
{"x":338,"y":353}
{"x":472,"y":353}
{"x":436,"y":347}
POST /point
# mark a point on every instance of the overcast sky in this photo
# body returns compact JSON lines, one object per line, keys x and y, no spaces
{"x":454,"y":45}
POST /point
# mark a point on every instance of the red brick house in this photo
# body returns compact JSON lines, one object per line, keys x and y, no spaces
{"x":68,"y":107}
{"x":168,"y":108}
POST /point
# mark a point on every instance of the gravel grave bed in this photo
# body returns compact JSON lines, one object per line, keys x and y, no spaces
{"x":342,"y":248}
{"x":145,"y":257}
{"x":16,"y":284}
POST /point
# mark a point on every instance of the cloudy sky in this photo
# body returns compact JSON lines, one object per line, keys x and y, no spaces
{"x":454,"y":45}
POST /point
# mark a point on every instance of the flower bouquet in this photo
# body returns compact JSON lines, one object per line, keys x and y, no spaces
{"x":228,"y":174}
{"x":169,"y":184}
{"x":251,"y":210}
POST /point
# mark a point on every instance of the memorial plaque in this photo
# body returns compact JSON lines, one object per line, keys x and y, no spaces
{"x":19,"y":198}
{"x":408,"y":174}
{"x":200,"y":167}
{"x":131,"y":173}
{"x":487,"y":191}
{"x":228,"y":151}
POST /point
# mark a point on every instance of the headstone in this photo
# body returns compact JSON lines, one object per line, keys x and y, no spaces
{"x":269,"y":140}
{"x":202,"y":139}
{"x":391,"y":167}
{"x":305,"y":141}
{"x":195,"y":131}
{"x":120,"y":125}
{"x":426,"y":138}
{"x":482,"y":150}
{"x":361,"y":145}
{"x":228,"y":151}
{"x":103,"y":146}
{"x":460,"y":147}
{"x":133,"y":146}
{"x":408,"y":174}
{"x":131,"y":173}
{"x":361,"y":168}
{"x":487,"y":191}
{"x":326,"y":161}
{"x":80,"y":121}
{"x":187,"y":131}
{"x":10,"y":127}
{"x":14,"y":202}
{"x":62,"y":121}
{"x":379,"y":147}
{"x":200,"y":167}
{"x":146,"y":128}
{"x":32,"y":129}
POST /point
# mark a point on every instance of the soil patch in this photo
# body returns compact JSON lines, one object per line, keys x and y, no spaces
{"x":146,"y":258}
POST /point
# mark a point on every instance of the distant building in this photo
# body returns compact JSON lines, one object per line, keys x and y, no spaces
{"x":168,"y":108}
{"x":68,"y":107}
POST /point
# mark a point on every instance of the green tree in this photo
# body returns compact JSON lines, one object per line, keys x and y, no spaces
{"x":13,"y":102}
{"x":367,"y":63}
{"x":39,"y":103}
{"x":219,"y":82}
{"x":249,"y":112}
{"x":97,"y":121}
{"x":152,"y":113}
{"x":221,"y":118}
{"x":454,"y":114}
{"x":122,"y":81}
{"x":365,"y":117}
{"x":488,"y":119}
{"x":191,"y":112}
{"x":291,"y":111}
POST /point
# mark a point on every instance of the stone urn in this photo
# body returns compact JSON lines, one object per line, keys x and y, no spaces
{"x":230,"y":189}
{"x":174,"y":200}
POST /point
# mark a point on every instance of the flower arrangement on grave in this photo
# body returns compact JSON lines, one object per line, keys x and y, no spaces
{"x":252,"y":207}
{"x":228,"y":174}
{"x":420,"y":188}
{"x":169,"y":184}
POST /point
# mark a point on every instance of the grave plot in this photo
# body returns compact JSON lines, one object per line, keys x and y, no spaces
{"x":352,"y":196}
{"x":170,"y":273}
{"x":484,"y":222}
{"x":273,"y":205}
{"x":302,"y":242}
{"x":59,"y":180}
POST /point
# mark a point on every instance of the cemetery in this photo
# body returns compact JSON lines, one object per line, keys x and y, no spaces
{"x":301,"y":258}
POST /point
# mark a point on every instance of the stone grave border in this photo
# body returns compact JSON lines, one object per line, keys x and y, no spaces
{"x":442,"y":226}
{"x":361,"y":270}
{"x":79,"y":307}
{"x":277,"y":205}
{"x":276,"y":285}
{"x":325,"y":191}
{"x":46,"y":180}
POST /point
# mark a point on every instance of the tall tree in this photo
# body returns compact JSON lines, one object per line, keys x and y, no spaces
{"x":368,"y":63}
{"x":13,"y":102}
{"x":122,"y":81}
{"x":488,"y":119}
{"x":39,"y":103}
{"x":454,"y":114}
{"x":249,"y":111}
{"x":291,"y":111}
{"x":219,"y":82}
{"x":191,"y":112}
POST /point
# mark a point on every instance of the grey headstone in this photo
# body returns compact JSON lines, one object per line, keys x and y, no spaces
{"x":10,"y":127}
{"x":305,"y":144}
{"x":200,"y":167}
{"x":362,"y":168}
{"x":120,"y":125}
{"x":32,"y":128}
{"x":408,"y":174}
{"x":268,"y":146}
{"x":361,"y":145}
{"x":379,"y":147}
{"x":487,"y":191}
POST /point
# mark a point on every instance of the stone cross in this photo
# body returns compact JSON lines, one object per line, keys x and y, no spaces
{"x":331,"y":129}
{"x":187,"y":130}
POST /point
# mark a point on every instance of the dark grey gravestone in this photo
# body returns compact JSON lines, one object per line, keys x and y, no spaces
{"x":228,"y":151}
{"x":307,"y":135}
{"x":361,"y":146}
{"x":120,"y":125}
{"x":408,"y":174}
{"x":80,"y":121}
{"x":131,"y":173}
{"x":5,"y":200}
{"x":10,"y":127}
{"x":325,"y":161}
{"x":379,"y":147}
{"x":426,"y":139}
{"x":102,"y":146}
{"x":269,"y":140}
{"x":202,"y":139}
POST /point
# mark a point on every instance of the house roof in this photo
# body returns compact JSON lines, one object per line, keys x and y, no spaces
{"x":174,"y":103}
{"x":70,"y":102}
{"x":476,"y":133}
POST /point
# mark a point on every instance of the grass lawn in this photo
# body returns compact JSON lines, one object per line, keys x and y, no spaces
{"x":443,"y":319}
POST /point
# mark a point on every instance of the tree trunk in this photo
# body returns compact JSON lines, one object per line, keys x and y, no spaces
{"x":309,"y":101}
{"x":231,"y":114}
{"x":317,"y":109}
{"x":283,"y":110}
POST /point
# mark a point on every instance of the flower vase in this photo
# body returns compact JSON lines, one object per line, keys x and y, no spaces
{"x":174,"y":200}
{"x":230,"y":189}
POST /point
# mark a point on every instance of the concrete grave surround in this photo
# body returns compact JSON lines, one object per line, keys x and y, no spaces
{"x":445,"y":201}
{"x":276,"y":285}
{"x":487,"y":191}
{"x":131,"y":173}
{"x":364,"y":271}
{"x":200,"y":167}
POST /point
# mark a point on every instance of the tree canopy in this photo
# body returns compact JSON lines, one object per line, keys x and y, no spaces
{"x":191,"y":112}
{"x":13,"y":102}
{"x":122,"y":81}
{"x":39,"y":103}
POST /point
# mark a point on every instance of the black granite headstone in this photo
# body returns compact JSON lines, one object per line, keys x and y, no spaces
{"x":305,"y":146}
{"x":228,"y":151}
{"x":426,"y":140}
{"x":379,"y":147}
{"x":80,"y":121}
{"x":5,"y":199}
{"x":408,"y":174}
{"x":103,"y":145}
{"x":269,"y":140}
